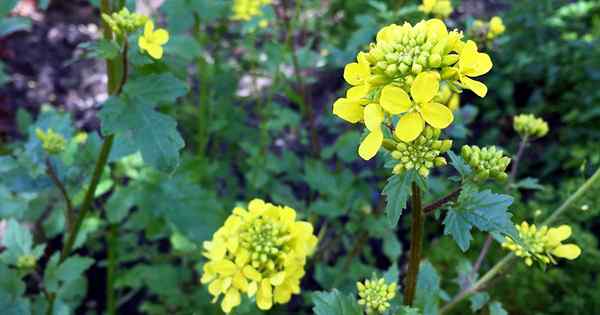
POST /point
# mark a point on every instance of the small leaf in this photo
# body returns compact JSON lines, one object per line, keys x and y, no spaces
{"x":58,"y":276}
{"x":457,"y":226}
{"x":428,"y":292}
{"x":335,"y":303}
{"x":102,"y":48}
{"x":397,"y":190}
{"x":478,"y":301}
{"x":155,"y":89}
{"x":497,"y":309}
{"x":119,"y":203}
{"x":529,"y":183}
{"x":459,"y":164}
{"x":137,"y":126}
{"x":392,"y":248}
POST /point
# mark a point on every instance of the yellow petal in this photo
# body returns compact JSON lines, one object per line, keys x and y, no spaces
{"x":436,"y":28}
{"x":225,"y":267}
{"x":357,"y":92}
{"x":409,"y":127}
{"x":394,"y":100}
{"x":373,"y":116}
{"x":472,"y":62}
{"x":348,"y":110}
{"x":160,"y":37}
{"x":568,"y":251}
{"x":252,"y":288}
{"x":477,"y":87}
{"x":437,"y":115}
{"x":155,"y":51}
{"x":142,"y":43}
{"x":425,"y":87}
{"x":278,"y":278}
{"x":240,"y":282}
{"x":264,"y":296}
{"x":356,"y":73}
{"x":216,"y":287}
{"x":282,"y":294}
{"x":559,"y":234}
{"x":370,"y":145}
{"x":148,"y":28}
{"x":231,"y":300}
{"x":252,"y":273}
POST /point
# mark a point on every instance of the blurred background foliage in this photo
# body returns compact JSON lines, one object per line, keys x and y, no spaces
{"x":257,"y":123}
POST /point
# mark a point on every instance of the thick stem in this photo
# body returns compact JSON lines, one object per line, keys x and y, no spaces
{"x":508,"y":258}
{"x":416,"y":245}
{"x":111,"y":301}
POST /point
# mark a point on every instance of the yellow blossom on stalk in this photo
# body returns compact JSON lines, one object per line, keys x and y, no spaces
{"x":245,"y":10}
{"x":496,"y":27}
{"x":152,"y":41}
{"x":375,"y":295}
{"x":260,"y":251}
{"x":52,"y":142}
{"x":405,"y":81}
{"x":527,"y":125}
{"x":543,"y":244}
{"x":438,"y":8}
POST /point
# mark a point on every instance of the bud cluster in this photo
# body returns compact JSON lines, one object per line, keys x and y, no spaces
{"x":421,"y":154}
{"x":124,"y":22}
{"x":375,"y":295}
{"x":437,"y":8}
{"x":267,"y":241}
{"x":26,"y":262}
{"x":528,"y":125}
{"x":447,"y":96}
{"x":543,"y":244}
{"x":52,"y":142}
{"x":487,"y":162}
{"x":487,"y":30}
{"x":245,"y":10}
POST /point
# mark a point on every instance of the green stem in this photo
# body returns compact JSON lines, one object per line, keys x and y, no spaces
{"x":111,"y":301}
{"x":70,"y":210}
{"x":416,"y":245}
{"x":508,"y":258}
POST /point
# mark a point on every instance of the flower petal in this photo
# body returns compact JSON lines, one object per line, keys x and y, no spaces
{"x":373,"y":116}
{"x":409,"y":127}
{"x":370,"y":145}
{"x":357,"y":92}
{"x":160,"y":37}
{"x":394,"y":100}
{"x":559,"y":234}
{"x":437,"y":115}
{"x":264,"y":296}
{"x":148,"y":28}
{"x":477,"y":87}
{"x":231,"y":300}
{"x":356,"y":73}
{"x":425,"y":87}
{"x":568,"y":251}
{"x":143,"y":43}
{"x":348,"y":110}
{"x":155,"y":51}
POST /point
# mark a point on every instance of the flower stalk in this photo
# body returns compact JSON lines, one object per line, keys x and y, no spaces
{"x":416,"y":245}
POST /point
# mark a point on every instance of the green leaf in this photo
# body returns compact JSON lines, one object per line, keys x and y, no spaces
{"x":155,"y":89}
{"x":102,"y":48}
{"x":6,"y":6}
{"x":335,"y":303}
{"x":459,"y":228}
{"x":529,"y":183}
{"x":428,"y":292}
{"x":58,"y":277}
{"x":392,"y":247}
{"x":459,"y":164}
{"x":319,"y":177}
{"x":478,"y":301}
{"x":184,"y":47}
{"x":397,"y":190}
{"x":13,"y":24}
{"x":137,"y":126}
{"x":119,"y":203}
{"x":18,"y":242}
{"x":485,"y":210}
{"x":11,"y":291}
{"x":497,"y":309}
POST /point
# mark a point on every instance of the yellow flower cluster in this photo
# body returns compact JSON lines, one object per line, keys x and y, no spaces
{"x":52,"y":142}
{"x":260,"y":251}
{"x":490,"y":30}
{"x":152,"y":41}
{"x":421,"y":154}
{"x":375,"y":295}
{"x":245,"y":10}
{"x":542,"y":244}
{"x":397,"y":83}
{"x":437,"y":8}
{"x":530,"y":126}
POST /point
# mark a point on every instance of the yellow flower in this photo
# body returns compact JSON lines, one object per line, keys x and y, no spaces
{"x":375,"y":295}
{"x":472,"y":63}
{"x":152,"y":41}
{"x":424,"y":88}
{"x":496,"y":27}
{"x":260,"y":251}
{"x":245,"y":10}
{"x":542,"y":244}
{"x":439,"y":8}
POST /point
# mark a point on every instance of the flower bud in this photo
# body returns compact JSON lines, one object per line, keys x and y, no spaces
{"x":530,"y":126}
{"x":52,"y":142}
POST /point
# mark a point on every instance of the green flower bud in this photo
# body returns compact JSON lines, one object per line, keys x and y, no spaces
{"x":52,"y":142}
{"x":440,"y":161}
{"x":416,"y":68}
{"x":449,"y":60}
{"x":487,"y":162}
{"x":435,"y":60}
{"x":530,"y":126}
{"x":446,"y":145}
{"x":422,"y":153}
{"x":26,"y":262}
